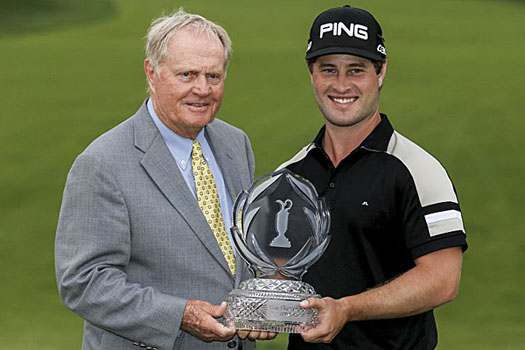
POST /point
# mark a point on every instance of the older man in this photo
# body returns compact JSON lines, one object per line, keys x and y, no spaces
{"x":143,"y":252}
{"x":397,"y":229}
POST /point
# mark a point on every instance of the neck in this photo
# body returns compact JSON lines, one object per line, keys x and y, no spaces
{"x":339,"y":142}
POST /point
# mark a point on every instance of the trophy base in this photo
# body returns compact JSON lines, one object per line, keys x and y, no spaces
{"x":271,"y":305}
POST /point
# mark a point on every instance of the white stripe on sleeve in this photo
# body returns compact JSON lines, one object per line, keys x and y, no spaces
{"x":444,"y":222}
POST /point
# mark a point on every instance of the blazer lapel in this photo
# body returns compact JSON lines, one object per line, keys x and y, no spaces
{"x":161,"y":167}
{"x":225,"y":156}
{"x":227,"y":161}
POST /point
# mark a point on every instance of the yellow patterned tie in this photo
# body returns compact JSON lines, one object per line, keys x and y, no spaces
{"x":208,"y":199}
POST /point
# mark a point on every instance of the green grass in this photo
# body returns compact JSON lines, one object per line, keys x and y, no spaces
{"x":26,"y":16}
{"x":72,"y":69}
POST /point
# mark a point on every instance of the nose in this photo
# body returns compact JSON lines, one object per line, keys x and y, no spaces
{"x":201,"y":87}
{"x":342,"y":84}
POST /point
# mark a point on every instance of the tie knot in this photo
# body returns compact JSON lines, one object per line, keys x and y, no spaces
{"x":196,"y":146}
{"x":196,"y":151}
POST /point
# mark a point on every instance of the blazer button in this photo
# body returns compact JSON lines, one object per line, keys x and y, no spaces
{"x":232,"y":344}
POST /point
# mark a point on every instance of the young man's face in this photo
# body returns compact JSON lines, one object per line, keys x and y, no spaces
{"x":346,"y":88}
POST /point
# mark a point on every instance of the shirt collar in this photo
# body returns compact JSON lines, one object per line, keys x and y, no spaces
{"x":376,"y":141}
{"x":179,"y":146}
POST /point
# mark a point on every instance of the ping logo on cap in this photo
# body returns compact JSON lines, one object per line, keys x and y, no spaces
{"x":337,"y":28}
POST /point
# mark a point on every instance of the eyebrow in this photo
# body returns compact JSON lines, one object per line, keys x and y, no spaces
{"x":357,"y":64}
{"x":351,"y":65}
{"x":323,"y":65}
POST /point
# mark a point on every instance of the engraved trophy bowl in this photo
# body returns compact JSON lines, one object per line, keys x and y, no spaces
{"x":280,"y":229}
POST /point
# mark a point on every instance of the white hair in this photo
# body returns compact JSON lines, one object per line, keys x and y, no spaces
{"x":162,"y":28}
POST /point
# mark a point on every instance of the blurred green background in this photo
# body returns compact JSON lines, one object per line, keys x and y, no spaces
{"x":70,"y":70}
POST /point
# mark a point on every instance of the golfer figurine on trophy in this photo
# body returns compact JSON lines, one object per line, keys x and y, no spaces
{"x":280,"y":229}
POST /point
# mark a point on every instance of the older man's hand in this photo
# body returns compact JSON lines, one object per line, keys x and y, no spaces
{"x":199,"y":320}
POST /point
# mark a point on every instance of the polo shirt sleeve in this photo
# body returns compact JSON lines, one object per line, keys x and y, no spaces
{"x":430,"y":215}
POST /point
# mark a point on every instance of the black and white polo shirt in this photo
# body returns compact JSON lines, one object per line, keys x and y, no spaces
{"x":390,"y":202}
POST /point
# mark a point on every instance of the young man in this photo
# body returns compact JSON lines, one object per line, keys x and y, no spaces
{"x":397,"y":230}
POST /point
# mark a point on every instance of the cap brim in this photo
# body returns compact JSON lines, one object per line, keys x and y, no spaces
{"x":344,"y":50}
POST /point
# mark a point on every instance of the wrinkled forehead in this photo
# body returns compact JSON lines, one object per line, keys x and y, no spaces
{"x":191,"y":39}
{"x":191,"y":32}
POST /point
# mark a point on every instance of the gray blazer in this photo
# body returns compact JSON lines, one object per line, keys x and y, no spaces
{"x":132,"y":245}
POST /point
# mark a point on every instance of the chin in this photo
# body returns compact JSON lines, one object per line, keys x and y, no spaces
{"x":201,"y":122}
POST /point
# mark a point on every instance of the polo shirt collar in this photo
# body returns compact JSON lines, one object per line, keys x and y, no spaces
{"x":376,"y":141}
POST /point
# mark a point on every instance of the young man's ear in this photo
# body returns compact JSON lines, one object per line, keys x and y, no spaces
{"x":381,"y":75}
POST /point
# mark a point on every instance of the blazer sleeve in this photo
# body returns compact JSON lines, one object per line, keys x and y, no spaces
{"x":92,"y":250}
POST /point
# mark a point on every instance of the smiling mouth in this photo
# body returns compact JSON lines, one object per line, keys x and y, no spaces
{"x":343,"y":99}
{"x":198,"y":104}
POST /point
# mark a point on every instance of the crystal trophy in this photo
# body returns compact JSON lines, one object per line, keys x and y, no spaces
{"x":280,"y":229}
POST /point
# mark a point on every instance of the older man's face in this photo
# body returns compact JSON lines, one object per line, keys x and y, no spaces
{"x":187,"y":87}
